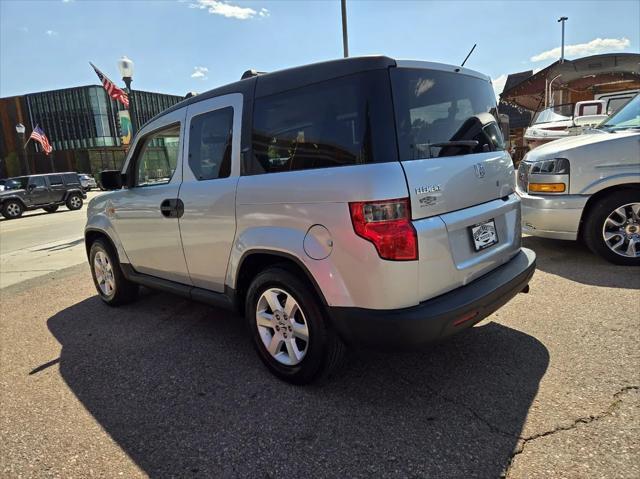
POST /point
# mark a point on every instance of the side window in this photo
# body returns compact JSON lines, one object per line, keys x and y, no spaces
{"x":55,"y":180}
{"x":341,"y":122}
{"x":157,"y":159}
{"x":210,"y":137}
{"x":71,"y":179}
{"x":37,"y":181}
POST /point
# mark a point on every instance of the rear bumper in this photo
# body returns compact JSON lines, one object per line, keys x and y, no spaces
{"x":556,"y":217}
{"x":439,"y":317}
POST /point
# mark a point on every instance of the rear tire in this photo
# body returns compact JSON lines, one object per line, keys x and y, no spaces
{"x":12,"y":209}
{"x":51,"y":209}
{"x":113,"y":288}
{"x":281,"y":311}
{"x":615,"y":220}
{"x":74,"y":201}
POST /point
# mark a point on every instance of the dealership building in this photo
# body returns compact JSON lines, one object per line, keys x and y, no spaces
{"x":83,"y":124}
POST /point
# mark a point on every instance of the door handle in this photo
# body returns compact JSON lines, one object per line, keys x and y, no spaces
{"x":172,"y":208}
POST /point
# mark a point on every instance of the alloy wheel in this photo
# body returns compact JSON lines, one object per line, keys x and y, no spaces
{"x":621,"y":230}
{"x":75,"y":201}
{"x":104,"y":273}
{"x":282,"y":326}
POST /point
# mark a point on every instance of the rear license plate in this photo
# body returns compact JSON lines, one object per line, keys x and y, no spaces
{"x":484,"y":235}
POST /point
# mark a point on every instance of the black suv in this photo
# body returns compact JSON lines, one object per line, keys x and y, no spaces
{"x":41,"y":191}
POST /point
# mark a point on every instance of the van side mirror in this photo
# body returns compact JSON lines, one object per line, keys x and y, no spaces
{"x":111,"y":179}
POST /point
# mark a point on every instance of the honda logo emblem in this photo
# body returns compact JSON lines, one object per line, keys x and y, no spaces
{"x":479,"y":169}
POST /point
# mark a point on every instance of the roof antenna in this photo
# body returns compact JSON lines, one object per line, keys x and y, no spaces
{"x":469,"y":54}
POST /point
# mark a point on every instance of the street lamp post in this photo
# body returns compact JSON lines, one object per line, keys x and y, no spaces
{"x":562,"y":20}
{"x":125,"y":65}
{"x":345,"y":37}
{"x":20,"y":130}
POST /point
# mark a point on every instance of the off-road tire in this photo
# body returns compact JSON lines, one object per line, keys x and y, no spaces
{"x":12,"y":209}
{"x":124,"y":291}
{"x":325,"y":349}
{"x":74,"y":201}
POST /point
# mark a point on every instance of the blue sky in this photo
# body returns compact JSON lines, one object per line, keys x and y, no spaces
{"x":194,"y":45}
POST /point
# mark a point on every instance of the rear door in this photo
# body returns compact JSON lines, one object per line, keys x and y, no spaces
{"x":57,"y":188}
{"x":460,"y":178}
{"x":210,"y":176}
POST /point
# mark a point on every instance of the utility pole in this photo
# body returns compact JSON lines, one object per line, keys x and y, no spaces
{"x":562,"y":20}
{"x":345,"y":39}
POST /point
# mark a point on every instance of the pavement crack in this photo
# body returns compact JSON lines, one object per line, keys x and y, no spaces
{"x":524,"y":441}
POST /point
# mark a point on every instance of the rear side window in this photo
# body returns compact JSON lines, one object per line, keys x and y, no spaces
{"x":210,"y":136}
{"x":71,"y":179}
{"x":55,"y":180}
{"x":443,"y":114}
{"x":341,"y":122}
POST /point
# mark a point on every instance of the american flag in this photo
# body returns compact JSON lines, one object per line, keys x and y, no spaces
{"x":38,"y":135}
{"x":112,"y":90}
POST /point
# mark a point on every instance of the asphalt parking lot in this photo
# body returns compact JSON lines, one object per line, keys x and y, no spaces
{"x":167,"y":388}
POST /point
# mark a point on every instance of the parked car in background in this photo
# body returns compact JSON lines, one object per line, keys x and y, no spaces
{"x":588,"y":187}
{"x":2,"y":182}
{"x":49,"y":191}
{"x":87,"y":181}
{"x":363,"y":200}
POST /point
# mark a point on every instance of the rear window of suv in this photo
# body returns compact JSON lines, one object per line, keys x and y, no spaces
{"x":443,"y":114}
{"x":340,"y":122}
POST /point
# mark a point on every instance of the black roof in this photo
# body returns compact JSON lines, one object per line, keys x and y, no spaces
{"x":290,"y":78}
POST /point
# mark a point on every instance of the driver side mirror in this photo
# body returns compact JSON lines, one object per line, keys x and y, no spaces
{"x":112,"y":179}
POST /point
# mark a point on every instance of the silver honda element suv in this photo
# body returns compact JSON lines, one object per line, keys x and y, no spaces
{"x":359,"y":201}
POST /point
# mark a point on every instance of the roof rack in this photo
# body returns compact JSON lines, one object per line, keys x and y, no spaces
{"x":251,"y":74}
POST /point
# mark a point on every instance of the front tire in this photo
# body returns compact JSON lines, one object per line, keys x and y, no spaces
{"x":12,"y":209}
{"x":74,"y":201}
{"x":288,"y":328}
{"x":113,"y":288}
{"x":612,"y":228}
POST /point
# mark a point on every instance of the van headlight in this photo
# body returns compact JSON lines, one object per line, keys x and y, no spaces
{"x":549,"y":176}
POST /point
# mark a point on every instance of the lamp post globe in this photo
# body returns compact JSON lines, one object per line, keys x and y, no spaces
{"x":125,"y":65}
{"x":20,"y":129}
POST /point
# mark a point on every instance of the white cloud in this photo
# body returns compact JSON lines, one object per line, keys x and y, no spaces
{"x":225,"y":9}
{"x":498,"y":84}
{"x":200,"y":73}
{"x":51,"y":33}
{"x":595,"y":46}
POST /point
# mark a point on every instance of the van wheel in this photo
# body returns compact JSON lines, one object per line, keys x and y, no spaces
{"x":612,"y":229}
{"x":288,"y":328}
{"x":51,"y":209}
{"x":74,"y":202}
{"x":12,"y":209}
{"x":113,"y":288}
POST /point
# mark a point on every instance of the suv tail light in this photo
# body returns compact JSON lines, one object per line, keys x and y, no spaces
{"x":387,"y":224}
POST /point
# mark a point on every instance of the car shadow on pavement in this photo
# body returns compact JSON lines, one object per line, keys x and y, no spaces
{"x":575,"y":261}
{"x":178,"y":386}
{"x":30,"y":214}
